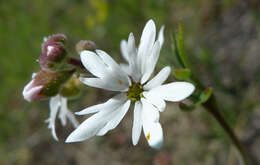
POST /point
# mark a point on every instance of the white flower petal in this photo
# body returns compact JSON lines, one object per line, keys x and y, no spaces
{"x":54,"y":107}
{"x":63,"y":111}
{"x":126,"y":68}
{"x":93,"y":63}
{"x":124,"y":50}
{"x":134,"y":63}
{"x":155,"y":100}
{"x":117,"y":116}
{"x":88,"y":128}
{"x":106,"y":83}
{"x":109,"y":105}
{"x":137,"y":123}
{"x":150,"y":62}
{"x":146,"y":43}
{"x":153,"y":134}
{"x":131,"y":47}
{"x":158,"y":79}
{"x":161,"y":36}
{"x":176,"y":91}
{"x":72,"y":119}
{"x":117,"y":72}
{"x":149,"y":112}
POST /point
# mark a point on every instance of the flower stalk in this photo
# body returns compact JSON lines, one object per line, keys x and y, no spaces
{"x":211,"y":107}
{"x":75,"y":62}
{"x":203,"y":96}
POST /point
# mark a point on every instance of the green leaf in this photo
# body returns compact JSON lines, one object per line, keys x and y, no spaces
{"x":180,"y":43}
{"x":205,"y":95}
{"x":182,"y":74}
{"x":176,"y":50}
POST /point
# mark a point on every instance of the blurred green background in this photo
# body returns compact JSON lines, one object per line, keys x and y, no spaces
{"x":222,"y":40}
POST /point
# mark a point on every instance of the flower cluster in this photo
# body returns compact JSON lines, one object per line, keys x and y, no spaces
{"x":51,"y":81}
{"x":133,"y":83}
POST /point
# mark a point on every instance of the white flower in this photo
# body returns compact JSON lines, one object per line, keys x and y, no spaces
{"x":58,"y":104}
{"x":131,"y":81}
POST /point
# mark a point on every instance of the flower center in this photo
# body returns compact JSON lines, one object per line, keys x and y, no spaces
{"x":135,"y":92}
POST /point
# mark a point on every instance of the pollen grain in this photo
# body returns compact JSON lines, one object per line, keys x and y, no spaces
{"x":148,"y":136}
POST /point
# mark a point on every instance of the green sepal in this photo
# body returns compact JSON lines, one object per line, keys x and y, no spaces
{"x":205,"y":95}
{"x":182,"y":74}
{"x":52,"y":81}
{"x":71,"y":89}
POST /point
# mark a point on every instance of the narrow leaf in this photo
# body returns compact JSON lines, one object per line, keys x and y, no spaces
{"x":180,"y":43}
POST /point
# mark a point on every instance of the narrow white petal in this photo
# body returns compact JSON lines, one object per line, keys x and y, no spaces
{"x":155,"y":100}
{"x":137,"y":123}
{"x":124,"y":51}
{"x":54,"y":107}
{"x":161,"y":36}
{"x":126,"y":68}
{"x":63,"y":111}
{"x":107,"y":83}
{"x":72,"y":119}
{"x":176,"y":91}
{"x":107,"y":60}
{"x":132,"y":51}
{"x":134,"y":63}
{"x":153,"y":133}
{"x":146,"y":42}
{"x":91,"y":126}
{"x":93,"y":63}
{"x":111,"y":104}
{"x":149,"y":112}
{"x":117,"y":116}
{"x":131,"y":47}
{"x":88,"y":128}
{"x":158,"y":79}
{"x":150,"y":62}
{"x":116,"y":72}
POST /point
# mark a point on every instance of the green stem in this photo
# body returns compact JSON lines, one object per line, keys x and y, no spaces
{"x":212,"y":108}
{"x":75,"y":62}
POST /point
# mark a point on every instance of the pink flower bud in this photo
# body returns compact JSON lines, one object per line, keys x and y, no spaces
{"x":53,"y":52}
{"x":85,"y":45}
{"x":31,"y":91}
{"x":45,"y":84}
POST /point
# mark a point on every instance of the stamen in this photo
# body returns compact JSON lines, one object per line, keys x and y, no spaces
{"x":135,"y":92}
{"x":120,"y":82}
{"x":148,"y":136}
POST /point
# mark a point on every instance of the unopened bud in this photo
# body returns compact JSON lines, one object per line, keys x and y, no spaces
{"x":55,"y":38}
{"x":53,"y":52}
{"x":85,"y":45}
{"x":45,"y":84}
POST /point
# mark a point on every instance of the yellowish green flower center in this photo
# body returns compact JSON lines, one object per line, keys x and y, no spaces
{"x":135,"y":92}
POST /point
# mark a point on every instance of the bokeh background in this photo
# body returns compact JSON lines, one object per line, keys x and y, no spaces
{"x":222,"y":40}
